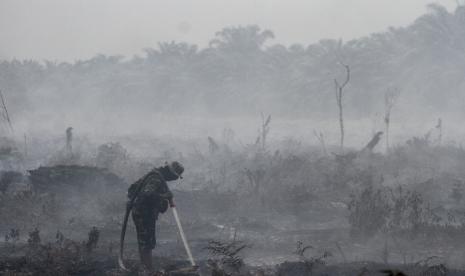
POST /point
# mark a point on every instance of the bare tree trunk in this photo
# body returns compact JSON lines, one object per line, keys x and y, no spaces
{"x":387,"y":133}
{"x":69,"y":142}
{"x":439,"y":127}
{"x":320,"y":136}
{"x":265,"y":129}
{"x":390,"y":98}
{"x":6,"y":115}
{"x":25,"y":145}
{"x":341,"y":118}
{"x":339,"y":94}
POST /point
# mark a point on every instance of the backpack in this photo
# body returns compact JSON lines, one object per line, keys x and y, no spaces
{"x":133,"y":189}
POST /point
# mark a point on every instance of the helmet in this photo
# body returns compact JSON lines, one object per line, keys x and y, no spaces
{"x":176,"y":168}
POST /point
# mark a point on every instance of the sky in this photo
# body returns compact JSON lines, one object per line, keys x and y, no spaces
{"x":68,"y":30}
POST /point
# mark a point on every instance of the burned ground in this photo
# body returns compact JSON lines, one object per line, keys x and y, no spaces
{"x":295,"y":209}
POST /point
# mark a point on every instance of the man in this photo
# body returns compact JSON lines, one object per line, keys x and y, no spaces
{"x":152,"y":199}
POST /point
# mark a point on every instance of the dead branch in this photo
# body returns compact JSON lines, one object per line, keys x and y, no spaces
{"x":373,"y":142}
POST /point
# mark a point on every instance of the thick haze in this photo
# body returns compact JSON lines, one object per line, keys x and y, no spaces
{"x":264,"y":57}
{"x":70,"y":30}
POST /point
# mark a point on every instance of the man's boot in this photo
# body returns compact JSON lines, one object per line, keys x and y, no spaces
{"x":146,"y":258}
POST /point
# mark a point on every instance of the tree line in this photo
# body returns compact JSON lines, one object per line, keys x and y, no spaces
{"x":242,"y":71}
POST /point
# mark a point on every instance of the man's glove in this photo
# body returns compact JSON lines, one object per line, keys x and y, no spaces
{"x":163,"y":206}
{"x":168,"y":196}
